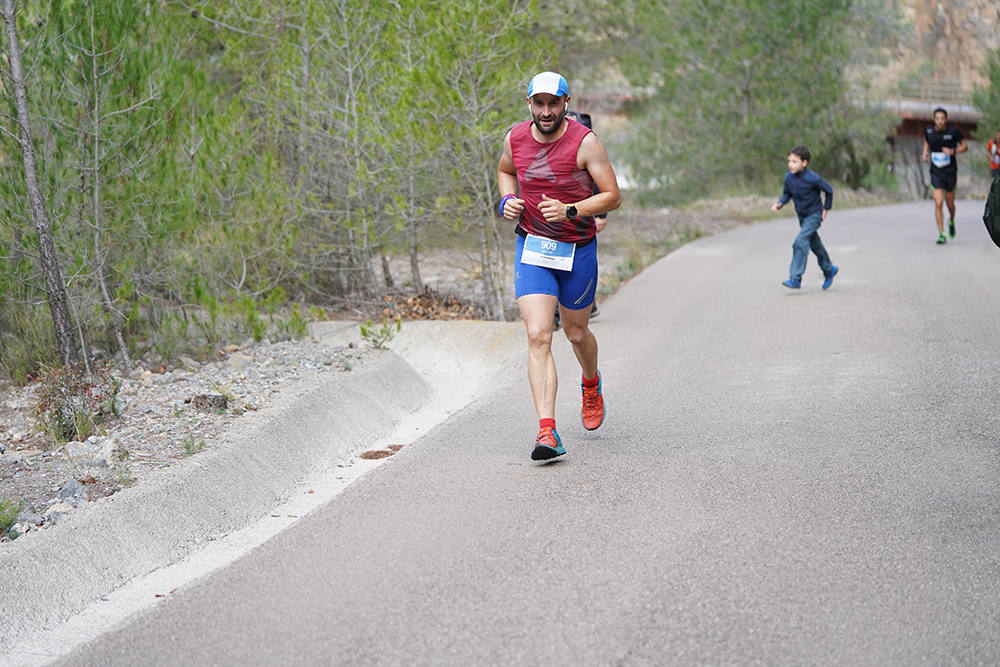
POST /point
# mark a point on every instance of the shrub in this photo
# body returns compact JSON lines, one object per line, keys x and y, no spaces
{"x":73,"y":401}
{"x":378,"y":336}
{"x":192,"y":446}
{"x":9,"y":511}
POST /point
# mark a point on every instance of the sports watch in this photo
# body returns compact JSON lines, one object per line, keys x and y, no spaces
{"x":570,"y":212}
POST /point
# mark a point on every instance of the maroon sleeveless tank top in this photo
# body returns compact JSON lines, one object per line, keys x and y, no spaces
{"x":550,"y":169}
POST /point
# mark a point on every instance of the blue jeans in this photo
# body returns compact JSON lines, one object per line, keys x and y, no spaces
{"x":808,"y":239}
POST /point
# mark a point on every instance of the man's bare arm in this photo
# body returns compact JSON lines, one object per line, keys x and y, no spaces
{"x":507,"y":181}
{"x":594,"y":159}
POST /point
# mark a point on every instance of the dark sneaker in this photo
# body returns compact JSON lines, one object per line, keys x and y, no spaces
{"x":592,"y":412}
{"x":829,"y":278}
{"x":547,"y":445}
{"x":951,"y":228}
{"x":942,"y":239}
{"x":793,"y":283}
{"x":594,"y":310}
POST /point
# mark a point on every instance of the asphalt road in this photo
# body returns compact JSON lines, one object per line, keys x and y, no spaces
{"x":784,"y":477}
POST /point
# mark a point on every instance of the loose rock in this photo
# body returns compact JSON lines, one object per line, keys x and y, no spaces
{"x":210,"y":402}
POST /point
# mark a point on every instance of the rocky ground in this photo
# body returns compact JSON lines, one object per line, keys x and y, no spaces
{"x":167,"y":414}
{"x":164,"y":415}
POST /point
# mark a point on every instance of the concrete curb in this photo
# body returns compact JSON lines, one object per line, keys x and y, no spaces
{"x":455,"y":355}
{"x":50,"y":575}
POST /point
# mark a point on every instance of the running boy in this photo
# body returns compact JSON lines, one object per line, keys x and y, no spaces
{"x":802,"y":185}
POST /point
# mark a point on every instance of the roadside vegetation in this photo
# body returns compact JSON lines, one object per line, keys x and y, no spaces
{"x":179,"y":174}
{"x":9,"y":511}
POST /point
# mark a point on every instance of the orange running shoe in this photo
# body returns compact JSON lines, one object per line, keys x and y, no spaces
{"x":592,"y":413}
{"x":547,"y":445}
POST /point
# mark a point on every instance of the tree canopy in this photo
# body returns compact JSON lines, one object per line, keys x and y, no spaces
{"x":208,"y":165}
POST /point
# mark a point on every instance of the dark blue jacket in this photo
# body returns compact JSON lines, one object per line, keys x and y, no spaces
{"x":804,"y":188}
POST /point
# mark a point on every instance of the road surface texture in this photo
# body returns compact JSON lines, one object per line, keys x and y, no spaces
{"x":784,"y":477}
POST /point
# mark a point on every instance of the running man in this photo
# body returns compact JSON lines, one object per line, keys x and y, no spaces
{"x":547,"y":173}
{"x":942,"y":142}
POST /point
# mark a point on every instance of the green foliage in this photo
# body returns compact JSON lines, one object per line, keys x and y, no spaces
{"x":9,"y":512}
{"x":27,"y":338}
{"x":214,"y":174}
{"x":204,"y":173}
{"x":293,"y":328}
{"x":72,"y":401}
{"x":192,"y":446}
{"x":379,"y":335}
{"x":124,"y":476}
{"x":732,"y":85}
{"x":226,"y":391}
{"x":986,"y":98}
{"x":206,"y":325}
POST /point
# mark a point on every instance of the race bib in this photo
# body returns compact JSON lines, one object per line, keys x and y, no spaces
{"x":939,"y":159}
{"x":541,"y":251}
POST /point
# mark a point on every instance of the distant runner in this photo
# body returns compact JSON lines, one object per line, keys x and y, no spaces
{"x":942,"y":142}
{"x":547,"y":174}
{"x":993,"y":151}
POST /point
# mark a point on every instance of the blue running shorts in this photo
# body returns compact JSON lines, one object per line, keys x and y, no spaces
{"x":575,"y":289}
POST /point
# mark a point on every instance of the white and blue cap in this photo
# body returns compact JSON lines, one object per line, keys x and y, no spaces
{"x":548,"y":82}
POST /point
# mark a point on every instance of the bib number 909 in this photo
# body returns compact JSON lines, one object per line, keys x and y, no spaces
{"x":553,"y":254}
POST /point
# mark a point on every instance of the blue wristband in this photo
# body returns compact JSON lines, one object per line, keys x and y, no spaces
{"x":504,"y":200}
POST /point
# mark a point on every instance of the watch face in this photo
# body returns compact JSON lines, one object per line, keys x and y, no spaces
{"x":570,"y":212}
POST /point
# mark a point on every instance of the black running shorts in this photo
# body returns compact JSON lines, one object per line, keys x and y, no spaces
{"x":944,"y":180}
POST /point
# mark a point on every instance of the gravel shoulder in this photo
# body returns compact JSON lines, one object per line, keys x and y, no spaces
{"x":165,"y":416}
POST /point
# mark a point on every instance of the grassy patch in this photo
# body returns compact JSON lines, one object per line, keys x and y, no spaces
{"x":192,"y":446}
{"x":9,"y":511}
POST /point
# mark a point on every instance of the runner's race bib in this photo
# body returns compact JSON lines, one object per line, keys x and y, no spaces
{"x":939,"y":159}
{"x":541,"y":251}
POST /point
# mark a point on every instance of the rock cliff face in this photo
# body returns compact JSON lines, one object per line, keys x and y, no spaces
{"x":950,"y":39}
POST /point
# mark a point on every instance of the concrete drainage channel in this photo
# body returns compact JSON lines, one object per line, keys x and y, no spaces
{"x":125,"y":552}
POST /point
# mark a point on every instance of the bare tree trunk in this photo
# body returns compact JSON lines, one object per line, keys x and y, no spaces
{"x":485,"y":263}
{"x":413,"y":227}
{"x":386,"y":273}
{"x":489,"y":259}
{"x":493,"y":270}
{"x":55,"y":288}
{"x":499,"y":266}
{"x":99,"y":268}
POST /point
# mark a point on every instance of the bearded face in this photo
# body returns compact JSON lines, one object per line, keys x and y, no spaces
{"x":548,"y":112}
